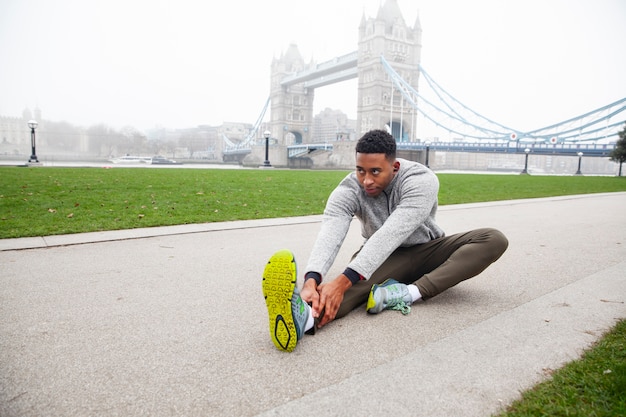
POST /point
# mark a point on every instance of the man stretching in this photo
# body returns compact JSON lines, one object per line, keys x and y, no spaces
{"x":405,"y":257}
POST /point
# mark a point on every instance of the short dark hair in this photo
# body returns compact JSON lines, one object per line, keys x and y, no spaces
{"x":377,"y":141}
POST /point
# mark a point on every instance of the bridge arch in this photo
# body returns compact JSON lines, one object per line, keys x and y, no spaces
{"x":294,"y":137}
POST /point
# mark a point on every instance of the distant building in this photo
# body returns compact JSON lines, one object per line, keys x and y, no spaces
{"x":14,"y":131}
{"x":200,"y":142}
{"x":14,"y":134}
{"x":333,"y":125}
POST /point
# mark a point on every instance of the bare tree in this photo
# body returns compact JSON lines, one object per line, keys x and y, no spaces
{"x":103,"y":140}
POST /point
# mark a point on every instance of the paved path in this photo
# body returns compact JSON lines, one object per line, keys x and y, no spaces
{"x":171,"y":321}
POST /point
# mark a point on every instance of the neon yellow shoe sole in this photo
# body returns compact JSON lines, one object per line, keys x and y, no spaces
{"x":279,"y":282}
{"x":371,"y":301}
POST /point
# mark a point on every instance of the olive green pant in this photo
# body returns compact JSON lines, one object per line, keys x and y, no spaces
{"x":434,"y":266}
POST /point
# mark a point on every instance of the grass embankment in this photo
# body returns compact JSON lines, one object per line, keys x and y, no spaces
{"x":51,"y":201}
{"x":594,"y":386}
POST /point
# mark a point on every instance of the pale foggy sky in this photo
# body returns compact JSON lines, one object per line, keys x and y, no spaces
{"x":180,"y":63}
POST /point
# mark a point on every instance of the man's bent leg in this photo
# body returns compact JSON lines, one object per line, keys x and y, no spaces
{"x":439,"y":265}
{"x":460,"y":257}
{"x":399,"y":265}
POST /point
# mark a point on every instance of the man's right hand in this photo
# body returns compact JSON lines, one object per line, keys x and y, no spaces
{"x":310,"y":295}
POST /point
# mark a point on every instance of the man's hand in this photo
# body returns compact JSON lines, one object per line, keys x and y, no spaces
{"x":331,"y":296}
{"x":310,"y":295}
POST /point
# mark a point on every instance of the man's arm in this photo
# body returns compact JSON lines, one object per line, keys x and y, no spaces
{"x":338,"y":214}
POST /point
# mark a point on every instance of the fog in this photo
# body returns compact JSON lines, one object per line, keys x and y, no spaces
{"x":183,"y":63}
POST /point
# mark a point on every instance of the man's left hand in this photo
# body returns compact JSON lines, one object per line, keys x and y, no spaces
{"x":331,"y":296}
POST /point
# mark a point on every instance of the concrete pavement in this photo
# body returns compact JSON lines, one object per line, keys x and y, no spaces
{"x":171,"y":321}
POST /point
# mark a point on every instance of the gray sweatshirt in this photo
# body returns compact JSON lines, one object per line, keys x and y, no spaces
{"x":402,"y":215}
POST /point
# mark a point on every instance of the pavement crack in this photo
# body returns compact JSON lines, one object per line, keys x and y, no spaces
{"x":18,"y":396}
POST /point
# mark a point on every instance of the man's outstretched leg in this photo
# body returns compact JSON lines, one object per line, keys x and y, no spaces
{"x":289,"y":316}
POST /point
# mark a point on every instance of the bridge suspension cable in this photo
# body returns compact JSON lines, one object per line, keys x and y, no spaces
{"x":250,"y":137}
{"x":447,"y":113}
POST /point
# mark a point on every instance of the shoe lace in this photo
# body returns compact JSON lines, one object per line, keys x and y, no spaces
{"x":402,"y":307}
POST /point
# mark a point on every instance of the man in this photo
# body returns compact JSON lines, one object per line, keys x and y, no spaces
{"x":405,"y":257}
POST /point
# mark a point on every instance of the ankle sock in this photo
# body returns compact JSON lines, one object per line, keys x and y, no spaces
{"x":414,"y":292}
{"x":310,"y":321}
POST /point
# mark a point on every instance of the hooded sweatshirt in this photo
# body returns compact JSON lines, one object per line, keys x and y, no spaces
{"x":402,"y":215}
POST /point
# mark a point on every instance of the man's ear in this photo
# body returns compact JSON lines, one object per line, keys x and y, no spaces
{"x":396,"y":166}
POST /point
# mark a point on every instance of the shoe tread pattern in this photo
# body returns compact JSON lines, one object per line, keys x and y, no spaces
{"x":279,"y":282}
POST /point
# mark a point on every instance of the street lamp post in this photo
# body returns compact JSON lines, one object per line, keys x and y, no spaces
{"x":266,"y":163}
{"x":525,"y":171}
{"x":580,"y":157}
{"x":33,"y":125}
{"x":427,"y":152}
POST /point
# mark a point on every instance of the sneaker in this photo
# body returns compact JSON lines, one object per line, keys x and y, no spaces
{"x":390,"y":295}
{"x":288,"y":313}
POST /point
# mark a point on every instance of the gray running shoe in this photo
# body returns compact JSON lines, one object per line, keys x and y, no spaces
{"x":390,"y":295}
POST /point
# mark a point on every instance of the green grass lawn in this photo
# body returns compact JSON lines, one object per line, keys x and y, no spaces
{"x":594,"y":386}
{"x":51,"y":201}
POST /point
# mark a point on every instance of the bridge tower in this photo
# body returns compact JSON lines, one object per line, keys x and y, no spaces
{"x":387,"y":34}
{"x":291,"y":106}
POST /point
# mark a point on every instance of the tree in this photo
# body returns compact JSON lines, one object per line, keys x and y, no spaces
{"x":63,"y":136}
{"x":619,"y":153}
{"x":103,"y":140}
{"x":134,"y":142}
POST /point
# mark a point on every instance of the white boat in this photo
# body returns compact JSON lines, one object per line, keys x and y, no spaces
{"x":161,"y":160}
{"x":129,"y":159}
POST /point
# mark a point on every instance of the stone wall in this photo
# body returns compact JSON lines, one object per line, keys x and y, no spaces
{"x":277,"y":155}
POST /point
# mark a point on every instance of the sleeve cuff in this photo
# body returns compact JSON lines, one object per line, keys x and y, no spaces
{"x":353,"y":276}
{"x":313,"y":275}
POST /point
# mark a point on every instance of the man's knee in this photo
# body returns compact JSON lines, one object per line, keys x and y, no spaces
{"x":498,"y":243}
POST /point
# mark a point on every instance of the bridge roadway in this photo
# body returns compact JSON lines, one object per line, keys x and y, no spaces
{"x":567,"y":149}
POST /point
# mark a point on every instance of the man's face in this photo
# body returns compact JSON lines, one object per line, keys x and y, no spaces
{"x":374,"y":172}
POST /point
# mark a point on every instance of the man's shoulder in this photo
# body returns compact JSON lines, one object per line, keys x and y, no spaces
{"x":349,"y":184}
{"x":349,"y":180}
{"x":413,"y":167}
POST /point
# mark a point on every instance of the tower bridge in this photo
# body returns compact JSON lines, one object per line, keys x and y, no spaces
{"x":387,"y":66}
